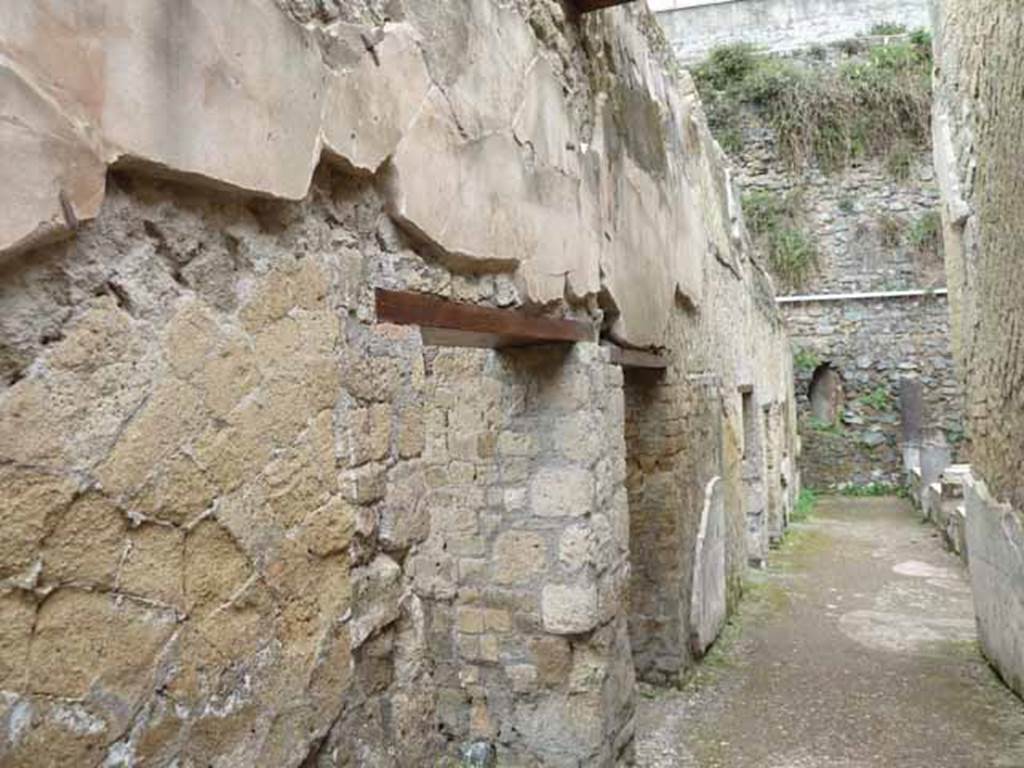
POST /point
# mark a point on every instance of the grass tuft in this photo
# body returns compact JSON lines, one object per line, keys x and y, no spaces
{"x":806,"y":360}
{"x":925,"y":234}
{"x":878,"y":399}
{"x":776,"y":223}
{"x":804,"y":506}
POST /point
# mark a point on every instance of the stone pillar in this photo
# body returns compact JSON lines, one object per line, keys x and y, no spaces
{"x":774,"y":490}
{"x":912,"y":421}
{"x":527,"y":561}
{"x":708,"y":605}
{"x":754,"y":469}
{"x":911,"y":408}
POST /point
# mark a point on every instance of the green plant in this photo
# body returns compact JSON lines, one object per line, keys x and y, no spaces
{"x":878,"y":399}
{"x":889,"y":28}
{"x":804,"y":506}
{"x":899,"y":161}
{"x":852,"y":46}
{"x":876,"y":104}
{"x":890,"y":230}
{"x":921,"y":38}
{"x":776,"y":222}
{"x":806,"y":360}
{"x":731,"y":140}
{"x":925,"y":234}
{"x":765,"y":211}
{"x":725,"y":65}
{"x":826,"y":427}
{"x":793,"y":255}
{"x":956,"y":435}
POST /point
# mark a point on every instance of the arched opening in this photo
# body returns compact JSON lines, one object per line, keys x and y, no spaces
{"x":826,"y":393}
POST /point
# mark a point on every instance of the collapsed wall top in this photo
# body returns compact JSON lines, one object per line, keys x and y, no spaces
{"x":483,"y":149}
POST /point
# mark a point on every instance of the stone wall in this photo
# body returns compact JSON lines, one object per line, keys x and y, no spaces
{"x":684,"y":429}
{"x":245,"y":523}
{"x":867,"y":226}
{"x":779,"y":26}
{"x":862,"y":221}
{"x":874,"y":345}
{"x":977,"y":124}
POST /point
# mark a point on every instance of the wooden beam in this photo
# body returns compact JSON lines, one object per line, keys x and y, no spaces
{"x":586,"y":6}
{"x":457,"y":324}
{"x":634,"y":358}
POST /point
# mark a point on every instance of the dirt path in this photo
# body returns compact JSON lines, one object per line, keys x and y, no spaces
{"x":856,"y":649}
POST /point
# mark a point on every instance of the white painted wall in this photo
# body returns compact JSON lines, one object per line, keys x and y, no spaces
{"x":696,"y":26}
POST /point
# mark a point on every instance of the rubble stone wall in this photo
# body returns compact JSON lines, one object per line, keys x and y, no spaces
{"x":978,"y":122}
{"x":872,"y":233}
{"x":244,"y":523}
{"x":873,"y":345}
{"x":863,"y":223}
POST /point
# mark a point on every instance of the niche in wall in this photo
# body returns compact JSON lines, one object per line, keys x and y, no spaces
{"x":826,"y":393}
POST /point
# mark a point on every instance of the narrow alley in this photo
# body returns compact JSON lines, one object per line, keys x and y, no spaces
{"x":855,"y":649}
{"x":447,"y":383}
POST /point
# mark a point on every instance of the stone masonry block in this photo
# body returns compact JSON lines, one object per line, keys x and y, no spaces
{"x":470,"y":620}
{"x":518,"y":556}
{"x":569,"y":609}
{"x":567,"y":492}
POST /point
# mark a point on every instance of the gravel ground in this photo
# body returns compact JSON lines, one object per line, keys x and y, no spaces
{"x":855,"y":649}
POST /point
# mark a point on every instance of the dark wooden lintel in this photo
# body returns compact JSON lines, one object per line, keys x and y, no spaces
{"x":586,"y":6}
{"x":634,"y":358}
{"x":457,"y":324}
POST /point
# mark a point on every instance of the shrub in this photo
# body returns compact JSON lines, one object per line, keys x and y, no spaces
{"x":875,"y":105}
{"x":922,"y":38}
{"x":775,"y":222}
{"x":925,"y":234}
{"x":731,"y":140}
{"x":900,"y":160}
{"x":765,"y":211}
{"x":890,"y":230}
{"x":793,"y":255}
{"x":727,"y":64}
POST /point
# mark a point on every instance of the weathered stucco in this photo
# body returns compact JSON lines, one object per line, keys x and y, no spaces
{"x":484,"y":156}
{"x":244,"y":523}
{"x":979,"y":119}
